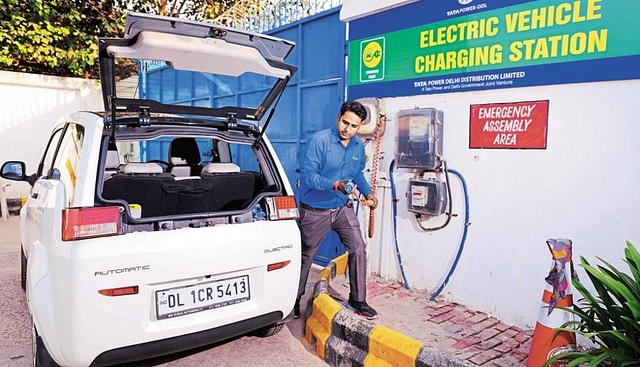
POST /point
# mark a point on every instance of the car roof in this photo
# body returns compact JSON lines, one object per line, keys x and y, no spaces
{"x":223,"y":57}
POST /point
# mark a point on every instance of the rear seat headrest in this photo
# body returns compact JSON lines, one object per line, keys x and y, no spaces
{"x":113,"y":160}
{"x":139,"y":167}
{"x":221,"y":168}
{"x":178,"y":161}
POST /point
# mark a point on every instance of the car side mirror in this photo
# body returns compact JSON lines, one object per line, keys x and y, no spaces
{"x":15,"y":171}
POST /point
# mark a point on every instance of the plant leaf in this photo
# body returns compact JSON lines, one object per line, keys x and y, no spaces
{"x":609,"y":317}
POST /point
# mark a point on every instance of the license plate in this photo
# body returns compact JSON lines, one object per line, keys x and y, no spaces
{"x":200,"y":297}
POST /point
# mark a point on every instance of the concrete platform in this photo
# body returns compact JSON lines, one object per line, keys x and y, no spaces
{"x":410,"y":329}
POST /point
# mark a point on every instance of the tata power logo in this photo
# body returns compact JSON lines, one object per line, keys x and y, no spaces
{"x":372,"y":57}
{"x":466,"y":7}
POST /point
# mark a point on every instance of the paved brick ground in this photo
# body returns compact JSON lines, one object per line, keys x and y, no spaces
{"x":472,"y":336}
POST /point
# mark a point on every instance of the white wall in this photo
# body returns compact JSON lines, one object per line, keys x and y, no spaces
{"x":31,"y":105}
{"x":583,"y":186}
{"x":354,"y":9}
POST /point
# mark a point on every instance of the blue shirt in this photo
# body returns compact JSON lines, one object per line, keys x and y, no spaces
{"x":327,"y":161}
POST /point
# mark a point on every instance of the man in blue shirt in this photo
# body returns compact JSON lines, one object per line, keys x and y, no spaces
{"x":333,"y":163}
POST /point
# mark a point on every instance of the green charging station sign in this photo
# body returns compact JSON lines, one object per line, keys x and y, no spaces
{"x":372,"y":59}
{"x":492,"y":44}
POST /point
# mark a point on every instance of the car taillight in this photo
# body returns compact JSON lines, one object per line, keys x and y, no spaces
{"x":282,"y":207}
{"x":81,"y":223}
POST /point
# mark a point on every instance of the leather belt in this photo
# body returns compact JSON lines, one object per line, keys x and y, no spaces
{"x":307,"y":207}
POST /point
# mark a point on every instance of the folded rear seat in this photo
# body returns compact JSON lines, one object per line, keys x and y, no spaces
{"x":221,"y":186}
{"x":141,"y":183}
{"x":233,"y":188}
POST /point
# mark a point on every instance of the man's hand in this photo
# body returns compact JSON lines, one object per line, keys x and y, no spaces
{"x":344,"y":187}
{"x":374,"y":201}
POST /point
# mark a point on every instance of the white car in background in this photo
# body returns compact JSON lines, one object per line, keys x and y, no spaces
{"x":162,"y":224}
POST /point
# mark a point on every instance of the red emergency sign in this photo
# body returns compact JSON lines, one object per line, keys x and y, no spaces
{"x":515,"y":125}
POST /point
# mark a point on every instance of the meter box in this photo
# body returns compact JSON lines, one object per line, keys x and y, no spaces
{"x":419,"y":138}
{"x":428,"y":197}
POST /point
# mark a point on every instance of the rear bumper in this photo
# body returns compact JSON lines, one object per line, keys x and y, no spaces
{"x":177,"y":344}
{"x":81,"y":326}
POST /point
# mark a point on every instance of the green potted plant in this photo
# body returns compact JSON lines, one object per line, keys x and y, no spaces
{"x":609,"y":317}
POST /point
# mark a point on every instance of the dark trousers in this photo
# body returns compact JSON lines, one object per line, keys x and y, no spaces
{"x":314,"y":225}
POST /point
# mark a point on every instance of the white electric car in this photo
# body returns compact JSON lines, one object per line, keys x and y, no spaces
{"x":166,"y":222}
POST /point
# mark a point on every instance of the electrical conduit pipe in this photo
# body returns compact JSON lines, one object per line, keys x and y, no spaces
{"x":462,"y":242}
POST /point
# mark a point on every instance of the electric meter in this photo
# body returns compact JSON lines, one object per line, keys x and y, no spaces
{"x":419,"y":138}
{"x":428,"y":197}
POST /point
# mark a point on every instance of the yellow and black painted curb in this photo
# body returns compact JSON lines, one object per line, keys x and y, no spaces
{"x":342,"y":338}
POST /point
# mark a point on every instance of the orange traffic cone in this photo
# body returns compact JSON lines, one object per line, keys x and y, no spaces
{"x":547,"y":342}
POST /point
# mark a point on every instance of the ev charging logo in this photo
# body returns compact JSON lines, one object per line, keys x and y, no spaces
{"x":372,"y":57}
{"x":372,"y":54}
